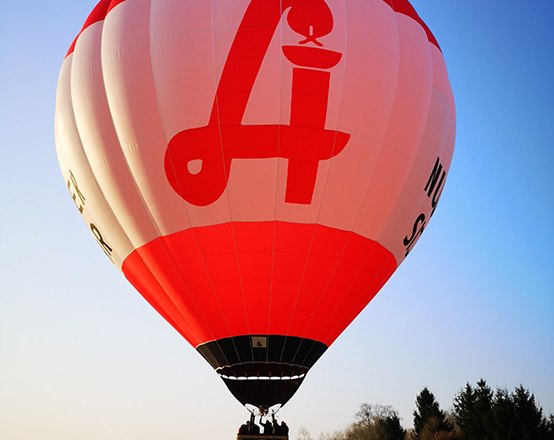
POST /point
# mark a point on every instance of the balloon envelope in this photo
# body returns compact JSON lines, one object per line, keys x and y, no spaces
{"x":257,"y":169}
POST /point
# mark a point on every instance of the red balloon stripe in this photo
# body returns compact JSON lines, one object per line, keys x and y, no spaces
{"x":276,"y":278}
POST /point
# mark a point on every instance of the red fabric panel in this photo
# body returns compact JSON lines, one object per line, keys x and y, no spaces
{"x":98,"y":14}
{"x":114,"y":3}
{"x":280,"y":278}
{"x":404,"y":7}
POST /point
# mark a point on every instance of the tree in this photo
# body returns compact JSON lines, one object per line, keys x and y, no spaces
{"x":373,"y":422}
{"x":478,"y":414}
{"x":389,"y":428}
{"x":380,"y":422}
{"x":528,"y":422}
{"x":428,"y":417}
{"x":304,"y":434}
{"x":481,"y":414}
{"x":473,"y":412}
{"x":503,"y":411}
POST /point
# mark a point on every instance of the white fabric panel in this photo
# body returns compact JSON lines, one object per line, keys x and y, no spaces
{"x":82,"y":183}
{"x":437,"y":142}
{"x":365,"y":101}
{"x":413,"y":92}
{"x":100,"y":141}
{"x":371,"y":66}
{"x":132,"y":99}
{"x":406,"y":123}
{"x":404,"y":135}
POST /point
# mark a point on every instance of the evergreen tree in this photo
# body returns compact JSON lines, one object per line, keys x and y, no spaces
{"x":478,"y":414}
{"x":529,"y":423}
{"x":481,"y":414}
{"x":503,"y":413}
{"x":389,"y":428}
{"x":428,"y":417}
{"x":473,"y":412}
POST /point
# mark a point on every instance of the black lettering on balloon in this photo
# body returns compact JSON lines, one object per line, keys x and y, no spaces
{"x":433,"y":189}
{"x":79,"y":200}
{"x":417,"y":230}
{"x":75,"y":192}
{"x":105,"y":246}
{"x":435,"y":184}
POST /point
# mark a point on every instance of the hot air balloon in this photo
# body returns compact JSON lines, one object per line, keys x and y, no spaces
{"x":257,"y":169}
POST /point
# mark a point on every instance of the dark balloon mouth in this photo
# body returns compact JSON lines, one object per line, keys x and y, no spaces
{"x":262,"y":369}
{"x":260,"y":392}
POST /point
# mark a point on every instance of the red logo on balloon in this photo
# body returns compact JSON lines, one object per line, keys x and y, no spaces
{"x":198,"y":160}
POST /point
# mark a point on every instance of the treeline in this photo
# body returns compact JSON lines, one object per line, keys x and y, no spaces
{"x":477,"y":413}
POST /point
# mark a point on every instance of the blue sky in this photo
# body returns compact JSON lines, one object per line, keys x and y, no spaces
{"x":82,"y":356}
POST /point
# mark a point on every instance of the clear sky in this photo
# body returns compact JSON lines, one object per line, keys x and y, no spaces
{"x":83,"y":356}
